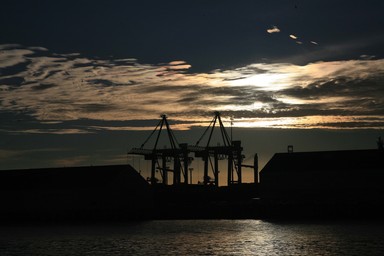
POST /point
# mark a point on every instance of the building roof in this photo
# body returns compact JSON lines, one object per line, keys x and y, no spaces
{"x":351,"y":160}
{"x":71,"y":178}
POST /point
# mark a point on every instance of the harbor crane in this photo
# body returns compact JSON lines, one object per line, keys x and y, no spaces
{"x":159,"y":157}
{"x":230,"y":150}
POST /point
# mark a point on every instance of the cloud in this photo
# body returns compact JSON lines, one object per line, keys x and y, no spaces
{"x":274,"y":29}
{"x":53,"y":131}
{"x":337,"y":50}
{"x":367,"y":57}
{"x":11,"y":57}
{"x":56,"y":91}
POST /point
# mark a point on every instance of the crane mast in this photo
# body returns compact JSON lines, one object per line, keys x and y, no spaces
{"x":179,"y":153}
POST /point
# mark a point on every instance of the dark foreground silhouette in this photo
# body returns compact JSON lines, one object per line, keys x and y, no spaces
{"x":78,"y":193}
{"x":327,"y":184}
{"x":307,"y":185}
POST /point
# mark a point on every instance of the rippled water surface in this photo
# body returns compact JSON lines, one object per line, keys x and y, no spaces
{"x":196,"y":237}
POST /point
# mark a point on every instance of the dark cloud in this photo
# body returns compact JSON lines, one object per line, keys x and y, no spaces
{"x":13,"y":81}
{"x":368,"y":89}
{"x":43,"y":87}
{"x":95,"y":107}
{"x":107,"y":83}
{"x":13,"y":69}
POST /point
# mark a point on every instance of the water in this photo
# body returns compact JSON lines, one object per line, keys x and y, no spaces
{"x":196,"y":237}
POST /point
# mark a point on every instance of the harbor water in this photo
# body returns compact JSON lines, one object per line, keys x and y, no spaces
{"x":196,"y":237}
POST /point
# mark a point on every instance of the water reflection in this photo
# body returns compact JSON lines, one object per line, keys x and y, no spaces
{"x":196,"y":237}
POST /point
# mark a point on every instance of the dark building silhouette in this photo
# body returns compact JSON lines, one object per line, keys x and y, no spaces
{"x":76,"y":193}
{"x":328,"y":184}
{"x":323,"y":184}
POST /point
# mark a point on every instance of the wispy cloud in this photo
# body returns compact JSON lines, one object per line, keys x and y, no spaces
{"x":11,"y":56}
{"x":274,"y":29}
{"x":57,"y":90}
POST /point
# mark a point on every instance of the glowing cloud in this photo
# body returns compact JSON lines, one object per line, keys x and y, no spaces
{"x":274,"y":29}
{"x":54,"y":90}
{"x":10,"y":57}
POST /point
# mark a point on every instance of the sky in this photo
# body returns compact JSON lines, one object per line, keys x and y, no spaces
{"x":82,"y":82}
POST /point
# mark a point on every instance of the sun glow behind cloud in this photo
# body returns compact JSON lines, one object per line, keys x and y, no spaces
{"x":267,"y":82}
{"x":61,"y":88}
{"x":313,"y":122}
